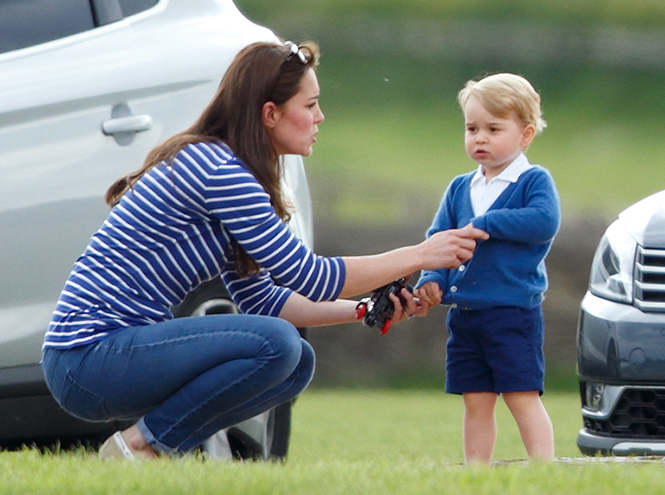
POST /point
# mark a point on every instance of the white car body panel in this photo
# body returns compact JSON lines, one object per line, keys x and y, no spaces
{"x":56,"y":162}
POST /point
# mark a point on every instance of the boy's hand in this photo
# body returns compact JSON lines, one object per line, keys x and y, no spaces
{"x":413,"y":306}
{"x":430,"y":294}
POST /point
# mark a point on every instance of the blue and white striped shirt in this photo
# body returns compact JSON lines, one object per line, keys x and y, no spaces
{"x":171,"y":232}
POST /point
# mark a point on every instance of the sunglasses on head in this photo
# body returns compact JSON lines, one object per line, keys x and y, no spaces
{"x":294,"y":50}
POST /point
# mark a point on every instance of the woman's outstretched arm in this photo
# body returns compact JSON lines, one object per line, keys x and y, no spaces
{"x":302,"y":312}
{"x":447,"y":249}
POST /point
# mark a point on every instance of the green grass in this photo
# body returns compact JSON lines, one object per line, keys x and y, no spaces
{"x":409,"y":426}
{"x":353,"y":442}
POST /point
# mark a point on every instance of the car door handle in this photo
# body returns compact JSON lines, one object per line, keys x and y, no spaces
{"x":133,"y":123}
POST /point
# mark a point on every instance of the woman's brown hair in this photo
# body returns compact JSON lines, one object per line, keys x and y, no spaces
{"x":260,"y":73}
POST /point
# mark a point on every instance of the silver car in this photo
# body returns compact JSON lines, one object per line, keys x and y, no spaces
{"x":621,"y":337}
{"x":87,"y":88}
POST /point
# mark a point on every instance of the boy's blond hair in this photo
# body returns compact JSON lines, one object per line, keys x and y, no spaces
{"x":504,"y":93}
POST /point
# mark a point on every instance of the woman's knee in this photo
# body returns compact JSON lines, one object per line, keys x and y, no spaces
{"x":304,"y":372}
{"x":307,"y":359}
{"x":284,"y":345}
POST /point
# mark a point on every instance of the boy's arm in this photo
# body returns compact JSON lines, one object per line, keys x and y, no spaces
{"x":536,"y":223}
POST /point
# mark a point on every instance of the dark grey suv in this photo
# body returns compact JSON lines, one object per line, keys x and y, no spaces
{"x":87,"y":88}
{"x":621,"y":337}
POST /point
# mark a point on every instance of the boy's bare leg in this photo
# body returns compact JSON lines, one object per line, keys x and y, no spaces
{"x":533,"y":422}
{"x":479,"y":426}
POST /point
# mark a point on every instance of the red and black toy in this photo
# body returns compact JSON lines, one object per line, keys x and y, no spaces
{"x":377,"y":310}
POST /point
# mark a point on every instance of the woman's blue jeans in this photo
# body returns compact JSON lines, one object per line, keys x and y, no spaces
{"x":183,"y":379}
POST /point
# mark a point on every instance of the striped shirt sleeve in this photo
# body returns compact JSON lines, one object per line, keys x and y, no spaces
{"x":173,"y":231}
{"x":236,"y":198}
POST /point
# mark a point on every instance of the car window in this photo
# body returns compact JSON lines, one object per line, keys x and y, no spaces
{"x":26,"y":23}
{"x":131,"y":7}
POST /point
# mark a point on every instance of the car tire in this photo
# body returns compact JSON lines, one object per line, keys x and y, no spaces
{"x":262,"y":438}
{"x":281,"y":434}
{"x":265,"y":437}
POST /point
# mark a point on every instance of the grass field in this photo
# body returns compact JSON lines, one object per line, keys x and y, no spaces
{"x":354,"y":442}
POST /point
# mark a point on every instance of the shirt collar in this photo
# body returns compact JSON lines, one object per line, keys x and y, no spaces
{"x":510,"y":174}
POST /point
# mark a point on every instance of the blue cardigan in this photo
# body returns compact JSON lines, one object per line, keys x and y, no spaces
{"x":509,"y":268}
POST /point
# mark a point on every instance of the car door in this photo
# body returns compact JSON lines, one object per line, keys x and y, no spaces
{"x":76,"y":113}
{"x":85,"y":92}
{"x":71,"y":122}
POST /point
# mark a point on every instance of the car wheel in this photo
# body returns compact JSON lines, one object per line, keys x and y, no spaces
{"x":264,"y":437}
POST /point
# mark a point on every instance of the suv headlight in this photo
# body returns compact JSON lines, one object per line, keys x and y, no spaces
{"x":594,"y":396}
{"x":612,"y":267}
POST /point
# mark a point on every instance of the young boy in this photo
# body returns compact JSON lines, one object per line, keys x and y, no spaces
{"x":495,"y":321}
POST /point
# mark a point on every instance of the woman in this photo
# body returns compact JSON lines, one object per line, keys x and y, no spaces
{"x":207,"y":203}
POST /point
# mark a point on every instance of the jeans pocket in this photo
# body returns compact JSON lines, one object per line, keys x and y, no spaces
{"x":81,"y":402}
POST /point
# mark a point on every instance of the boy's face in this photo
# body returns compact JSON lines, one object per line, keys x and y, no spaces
{"x":494,"y":142}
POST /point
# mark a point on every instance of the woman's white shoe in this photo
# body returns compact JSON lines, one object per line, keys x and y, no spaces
{"x":115,"y":447}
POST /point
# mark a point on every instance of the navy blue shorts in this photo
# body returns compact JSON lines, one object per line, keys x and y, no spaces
{"x":495,"y":350}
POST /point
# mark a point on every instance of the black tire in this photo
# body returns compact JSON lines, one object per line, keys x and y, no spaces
{"x":212,"y":298}
{"x":281,"y":436}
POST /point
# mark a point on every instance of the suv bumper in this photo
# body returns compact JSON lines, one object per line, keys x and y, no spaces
{"x":621,"y":364}
{"x":590,"y":444}
{"x":622,"y":419}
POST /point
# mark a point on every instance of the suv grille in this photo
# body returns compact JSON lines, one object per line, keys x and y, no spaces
{"x":650,"y":279}
{"x":639,"y":413}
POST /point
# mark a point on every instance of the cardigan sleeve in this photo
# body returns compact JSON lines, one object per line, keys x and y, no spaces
{"x":536,"y":222}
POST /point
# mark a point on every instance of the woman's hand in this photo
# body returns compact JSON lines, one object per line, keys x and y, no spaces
{"x":445,"y":249}
{"x":450,"y":248}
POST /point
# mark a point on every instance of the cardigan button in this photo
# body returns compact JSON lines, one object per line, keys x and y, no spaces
{"x":453,"y":288}
{"x":462,"y":268}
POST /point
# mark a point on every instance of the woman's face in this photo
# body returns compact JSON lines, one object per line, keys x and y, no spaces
{"x":293,"y":126}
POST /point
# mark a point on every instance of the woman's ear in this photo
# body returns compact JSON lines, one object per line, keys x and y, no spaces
{"x":270,"y":114}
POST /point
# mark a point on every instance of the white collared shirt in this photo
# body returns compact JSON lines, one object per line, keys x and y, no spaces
{"x":484,"y":194}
